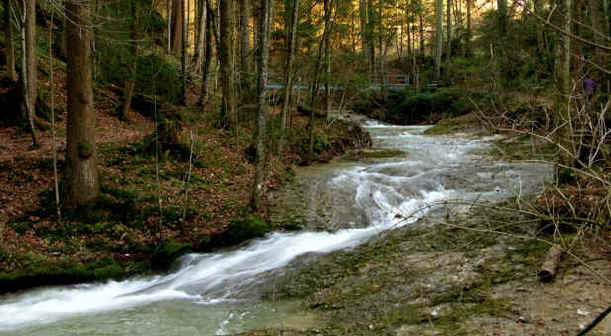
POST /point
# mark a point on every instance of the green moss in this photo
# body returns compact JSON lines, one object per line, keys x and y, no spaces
{"x":167,"y":251}
{"x":451,"y":126}
{"x":377,"y":153}
{"x":38,"y":272}
{"x":243,"y":229}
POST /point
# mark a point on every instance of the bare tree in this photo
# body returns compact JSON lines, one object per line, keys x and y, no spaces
{"x":288,"y":75}
{"x":226,"y":41}
{"x":207,"y":53}
{"x":177,"y":22}
{"x":8,"y":38}
{"x":29,"y":61}
{"x":244,"y":39}
{"x":257,"y":190}
{"x":201,"y":35}
{"x":438,"y":37}
{"x":81,"y":174}
{"x":468,"y":50}
{"x":130,"y":83}
{"x":314,"y":88}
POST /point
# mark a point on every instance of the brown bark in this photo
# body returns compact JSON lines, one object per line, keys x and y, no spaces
{"x":288,"y":86}
{"x":81,"y":174}
{"x":11,"y":73}
{"x":449,"y":29}
{"x":183,"y":53}
{"x":598,"y":25}
{"x":228,"y":109}
{"x":257,"y":189}
{"x":314,"y":89}
{"x":550,"y":264}
{"x":244,"y":39}
{"x":363,"y":23}
{"x":207,"y":53}
{"x":29,"y":60}
{"x":130,"y":84}
{"x":421,"y":24}
{"x":438,"y":37}
{"x":178,"y":15}
{"x":201,"y":35}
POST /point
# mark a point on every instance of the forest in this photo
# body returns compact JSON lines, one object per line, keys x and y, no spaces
{"x":319,"y":161}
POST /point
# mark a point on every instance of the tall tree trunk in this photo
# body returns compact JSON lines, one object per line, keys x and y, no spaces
{"x":183,"y":58}
{"x":564,"y":70}
{"x":314,"y":92}
{"x":207,"y":54}
{"x":29,"y":65}
{"x":421,"y":23}
{"x":563,"y":75}
{"x":327,"y":74}
{"x":288,"y":75}
{"x":598,"y":25}
{"x":228,"y":109}
{"x":178,"y":16}
{"x":502,"y":12}
{"x":169,"y":5}
{"x":130,"y":84}
{"x":81,"y":174}
{"x":449,"y":28}
{"x":363,"y":16}
{"x":11,"y":73}
{"x":438,"y":38}
{"x":371,"y":39}
{"x":201,"y":35}
{"x":244,"y":40}
{"x":257,"y":190}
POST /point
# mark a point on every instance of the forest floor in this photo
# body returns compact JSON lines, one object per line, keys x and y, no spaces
{"x":152,"y":209}
{"x":469,"y":274}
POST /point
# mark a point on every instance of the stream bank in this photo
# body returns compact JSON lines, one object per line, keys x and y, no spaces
{"x":427,"y":242}
{"x":129,"y":233}
{"x":454,"y":272}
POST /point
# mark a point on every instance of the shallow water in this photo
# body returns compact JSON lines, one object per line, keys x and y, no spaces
{"x":211,"y":294}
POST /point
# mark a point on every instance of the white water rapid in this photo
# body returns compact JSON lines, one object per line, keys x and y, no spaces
{"x":203,"y":296}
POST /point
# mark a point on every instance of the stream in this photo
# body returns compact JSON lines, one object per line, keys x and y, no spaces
{"x":213,"y":293}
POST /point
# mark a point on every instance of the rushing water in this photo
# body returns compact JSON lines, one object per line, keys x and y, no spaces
{"x":208,"y":294}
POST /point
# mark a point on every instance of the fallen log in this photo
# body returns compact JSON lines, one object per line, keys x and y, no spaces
{"x":550,"y":264}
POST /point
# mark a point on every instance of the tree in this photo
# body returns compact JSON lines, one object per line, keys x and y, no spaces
{"x":257,"y":190}
{"x":8,"y":38}
{"x":207,"y":53}
{"x":177,"y":18}
{"x":130,"y":83}
{"x":314,"y":88}
{"x":228,"y":108}
{"x":81,"y":174}
{"x":564,"y":62}
{"x":29,"y":61}
{"x":183,"y":55}
{"x":288,"y":75}
{"x":502,"y":16}
{"x":438,"y":38}
{"x":449,"y":28}
{"x":201,"y":35}
{"x":244,"y":39}
{"x":468,"y":51}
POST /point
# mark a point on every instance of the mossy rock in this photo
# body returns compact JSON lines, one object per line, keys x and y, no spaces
{"x":374,"y":153}
{"x":244,"y":229}
{"x":42,"y":273}
{"x":167,"y":251}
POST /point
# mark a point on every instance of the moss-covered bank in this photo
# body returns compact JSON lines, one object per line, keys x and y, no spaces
{"x":149,"y":214}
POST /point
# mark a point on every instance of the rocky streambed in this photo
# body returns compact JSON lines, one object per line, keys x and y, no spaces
{"x":418,"y":237}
